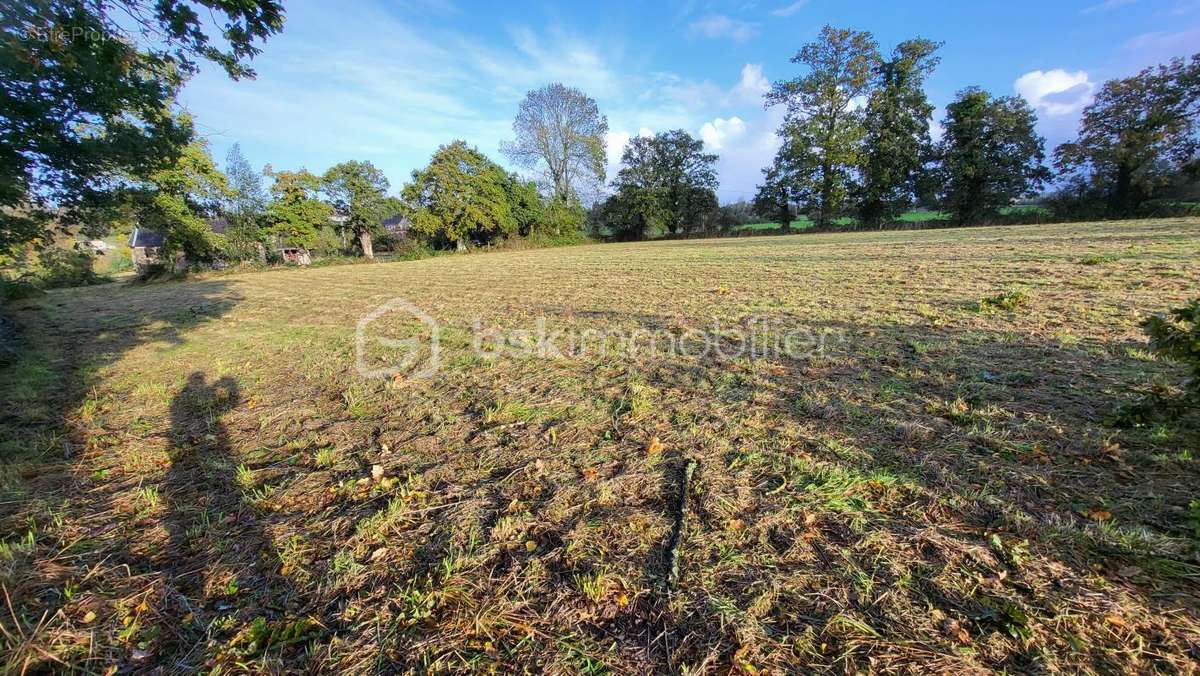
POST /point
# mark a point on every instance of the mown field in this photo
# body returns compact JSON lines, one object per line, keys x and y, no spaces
{"x":196,"y":476}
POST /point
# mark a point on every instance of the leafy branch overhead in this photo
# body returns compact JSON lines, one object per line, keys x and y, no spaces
{"x":86,"y":96}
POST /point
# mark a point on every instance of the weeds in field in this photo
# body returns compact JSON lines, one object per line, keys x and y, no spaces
{"x":933,"y":493}
{"x":1009,"y":301}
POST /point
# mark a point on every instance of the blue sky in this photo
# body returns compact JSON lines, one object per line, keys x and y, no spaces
{"x":390,"y":81}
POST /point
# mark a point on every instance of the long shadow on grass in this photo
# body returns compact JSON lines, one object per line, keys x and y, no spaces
{"x":68,"y":338}
{"x":218,"y":547}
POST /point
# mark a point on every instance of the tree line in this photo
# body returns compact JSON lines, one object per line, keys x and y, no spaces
{"x":856,"y":147}
{"x":90,"y":137}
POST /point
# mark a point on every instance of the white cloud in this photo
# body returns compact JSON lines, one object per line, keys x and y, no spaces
{"x":1158,"y":46}
{"x":1106,"y":6}
{"x":614,"y":147}
{"x":720,"y":26}
{"x":1056,"y":92}
{"x":716,"y":133}
{"x":791,"y":9}
{"x":753,"y":85}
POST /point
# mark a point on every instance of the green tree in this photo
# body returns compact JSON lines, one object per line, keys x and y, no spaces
{"x":461,"y":196}
{"x":245,"y":207}
{"x":177,"y":201}
{"x":85,"y":103}
{"x":822,"y":108}
{"x":672,"y":171}
{"x":358,"y":191}
{"x":630,"y":214}
{"x":560,"y":131}
{"x":524,"y":204}
{"x":1136,"y":135}
{"x":896,"y":126}
{"x":785,"y":182}
{"x":990,"y":155}
{"x":296,"y":213}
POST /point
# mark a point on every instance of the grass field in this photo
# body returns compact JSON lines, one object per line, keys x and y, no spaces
{"x":196,"y":475}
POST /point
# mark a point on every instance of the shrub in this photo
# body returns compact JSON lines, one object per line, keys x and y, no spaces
{"x":18,"y":289}
{"x":62,"y":267}
{"x":1098,"y":259}
{"x":1175,"y":336}
{"x":1009,"y":301}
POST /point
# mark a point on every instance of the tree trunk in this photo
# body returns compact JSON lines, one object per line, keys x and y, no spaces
{"x":460,"y":245}
{"x":1119,"y":205}
{"x":826,"y":195}
{"x":364,"y":240}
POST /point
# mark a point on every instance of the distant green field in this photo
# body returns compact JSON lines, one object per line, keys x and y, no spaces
{"x":804,"y":222}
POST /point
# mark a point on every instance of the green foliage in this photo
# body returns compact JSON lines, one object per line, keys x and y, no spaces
{"x":1134,"y":138}
{"x":666,"y":181}
{"x":823,"y":131}
{"x":896,"y":136}
{"x":63,"y":267}
{"x":359,"y":191}
{"x":560,"y":131}
{"x":562,"y":221}
{"x":525,"y":204}
{"x":176,"y":200}
{"x":18,"y":289}
{"x":463,"y":196}
{"x":296,"y":216}
{"x":990,"y":155}
{"x":245,"y":207}
{"x":779,"y":190}
{"x":1176,"y":336}
{"x":631,"y":214}
{"x":81,"y":103}
{"x":1008,"y":301}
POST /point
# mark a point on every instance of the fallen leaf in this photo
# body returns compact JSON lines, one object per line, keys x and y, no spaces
{"x":590,"y":474}
{"x":1099,"y":515}
{"x":736,"y":524}
{"x":530,"y":546}
{"x":654,"y":447}
{"x":1129,"y":571}
{"x":1115,"y":620}
{"x":89,"y":617}
{"x":379,"y":554}
{"x":956,"y":631}
{"x":622,"y":599}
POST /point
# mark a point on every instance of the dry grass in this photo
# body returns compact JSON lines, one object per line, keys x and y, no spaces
{"x":194,"y":476}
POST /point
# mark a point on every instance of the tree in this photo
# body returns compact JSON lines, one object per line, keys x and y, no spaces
{"x":524,"y":204}
{"x":245,"y":207}
{"x":629,"y":215}
{"x":822,"y":108}
{"x":461,"y":196}
{"x":672,"y":171}
{"x":296,"y":214}
{"x":1136,"y":135}
{"x":177,"y":200}
{"x":560,"y":131}
{"x":83,"y":105}
{"x":358,"y":191}
{"x":784,"y":184}
{"x":896,"y":126}
{"x":990,"y":155}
